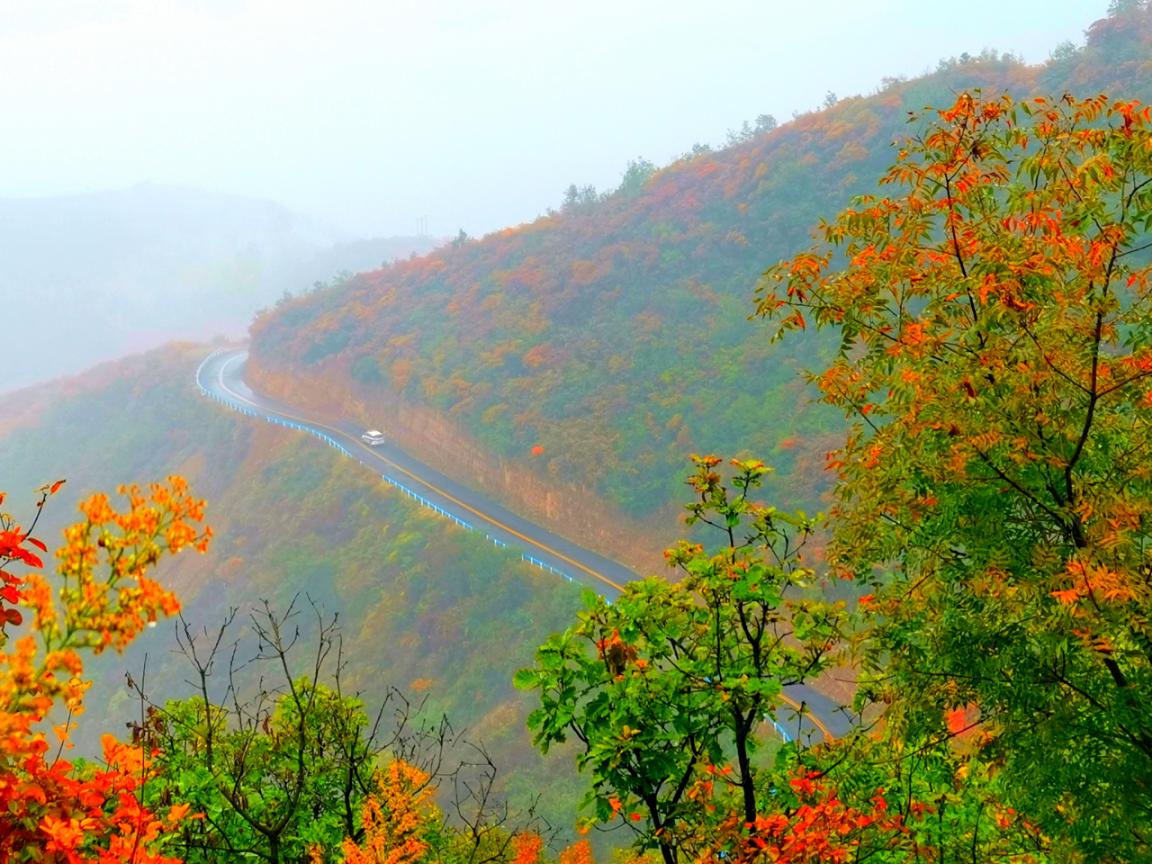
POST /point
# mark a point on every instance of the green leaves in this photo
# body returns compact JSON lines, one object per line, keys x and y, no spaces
{"x":279,"y":782}
{"x":996,"y":488}
{"x":670,"y":679}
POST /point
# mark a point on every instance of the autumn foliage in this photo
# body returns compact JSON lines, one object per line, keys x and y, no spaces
{"x":50,"y":808}
{"x":995,"y":489}
{"x":809,"y":825}
{"x":991,"y":518}
{"x":614,"y":333}
{"x":396,"y":819}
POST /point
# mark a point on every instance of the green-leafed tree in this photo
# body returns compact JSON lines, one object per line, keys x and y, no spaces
{"x":995,"y":490}
{"x":276,"y":763}
{"x":671,"y":684}
{"x":280,"y":765}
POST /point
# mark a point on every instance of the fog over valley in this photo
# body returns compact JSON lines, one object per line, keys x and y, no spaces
{"x":180,"y":164}
{"x":94,"y":276}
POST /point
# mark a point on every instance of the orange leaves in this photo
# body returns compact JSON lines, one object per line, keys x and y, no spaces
{"x":1133,"y":116}
{"x":872,"y":457}
{"x":538,"y":356}
{"x":816,"y":827}
{"x":111,"y":610}
{"x":396,"y":819}
{"x":912,"y":333}
{"x":616,"y":653}
{"x":93,"y":816}
{"x":962,"y":720}
{"x":1094,"y":582}
{"x":1003,"y":485}
{"x":526,"y":849}
{"x":579,"y":852}
{"x":47,"y":809}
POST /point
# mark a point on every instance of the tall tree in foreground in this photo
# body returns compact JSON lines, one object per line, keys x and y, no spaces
{"x":996,"y":488}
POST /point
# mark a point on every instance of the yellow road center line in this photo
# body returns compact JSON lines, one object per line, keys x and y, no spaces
{"x":816,"y":721}
{"x":481,"y":514}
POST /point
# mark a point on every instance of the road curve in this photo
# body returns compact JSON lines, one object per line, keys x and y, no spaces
{"x":220,"y":377}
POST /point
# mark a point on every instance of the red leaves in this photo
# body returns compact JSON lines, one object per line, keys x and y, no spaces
{"x":816,"y":828}
{"x":10,"y":593}
{"x":961,"y":720}
{"x":11,"y":548}
{"x":45,"y":805}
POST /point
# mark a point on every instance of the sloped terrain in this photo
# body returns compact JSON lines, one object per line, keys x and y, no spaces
{"x":572,"y":363}
{"x":425,"y":606}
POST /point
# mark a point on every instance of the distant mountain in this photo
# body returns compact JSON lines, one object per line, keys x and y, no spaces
{"x":578,"y":359}
{"x":90,"y":277}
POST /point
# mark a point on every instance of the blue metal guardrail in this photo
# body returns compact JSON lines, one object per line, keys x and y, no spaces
{"x":332,"y":442}
{"x":416,"y":496}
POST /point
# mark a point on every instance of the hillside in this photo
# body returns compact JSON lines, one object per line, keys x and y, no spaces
{"x":425,"y":606}
{"x":577,"y":359}
{"x":129,"y":269}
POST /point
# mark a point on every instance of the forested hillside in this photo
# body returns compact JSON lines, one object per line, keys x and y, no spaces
{"x":424,"y":606}
{"x":592,"y":349}
{"x":980,"y":331}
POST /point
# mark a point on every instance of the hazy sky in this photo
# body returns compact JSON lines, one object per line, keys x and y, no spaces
{"x":471,"y":113}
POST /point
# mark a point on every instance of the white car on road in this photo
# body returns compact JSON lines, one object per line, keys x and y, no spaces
{"x":373,"y":437}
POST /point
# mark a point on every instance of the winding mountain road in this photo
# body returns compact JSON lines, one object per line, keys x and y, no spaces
{"x":221,"y":377}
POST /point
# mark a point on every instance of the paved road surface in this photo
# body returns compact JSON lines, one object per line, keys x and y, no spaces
{"x":221,"y":376}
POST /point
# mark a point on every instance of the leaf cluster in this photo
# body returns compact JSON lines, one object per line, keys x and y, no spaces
{"x":671,"y":678}
{"x":994,"y":492}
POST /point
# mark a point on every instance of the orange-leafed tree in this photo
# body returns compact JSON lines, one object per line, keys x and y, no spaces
{"x":397,"y":820}
{"x":995,"y":491}
{"x":51,"y":809}
{"x":527,"y":849}
{"x":402,"y":824}
{"x":809,"y":823}
{"x":579,"y":852}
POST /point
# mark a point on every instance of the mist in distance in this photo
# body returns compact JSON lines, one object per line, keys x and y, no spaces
{"x":96,"y":276}
{"x":473,"y":114}
{"x":174,"y":165}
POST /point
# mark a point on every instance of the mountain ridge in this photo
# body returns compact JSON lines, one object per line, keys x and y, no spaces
{"x":591,"y":350}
